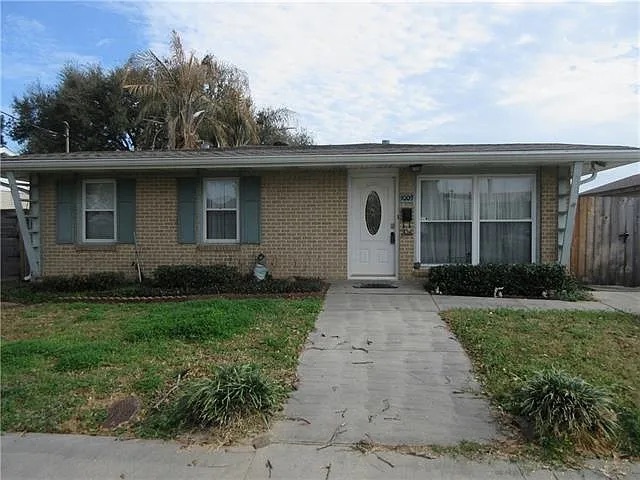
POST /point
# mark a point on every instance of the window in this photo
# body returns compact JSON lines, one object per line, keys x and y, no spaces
{"x":505,"y":219}
{"x":478,"y":219}
{"x":99,"y":210}
{"x":445,"y":209}
{"x":221,"y":210}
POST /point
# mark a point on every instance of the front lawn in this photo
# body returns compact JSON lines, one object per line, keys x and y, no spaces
{"x":64,"y":364}
{"x":507,"y":346}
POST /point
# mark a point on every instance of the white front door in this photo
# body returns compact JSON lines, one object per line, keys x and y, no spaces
{"x":372,"y":233}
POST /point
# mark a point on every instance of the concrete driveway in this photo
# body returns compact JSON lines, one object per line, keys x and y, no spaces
{"x":621,"y":298}
{"x":382,"y":365}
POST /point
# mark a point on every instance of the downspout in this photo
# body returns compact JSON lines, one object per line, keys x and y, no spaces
{"x":592,"y":175}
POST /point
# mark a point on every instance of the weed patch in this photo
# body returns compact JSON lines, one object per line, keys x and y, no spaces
{"x":233,"y":391}
{"x":220,"y":320}
{"x":510,"y":346}
{"x":63,"y":364}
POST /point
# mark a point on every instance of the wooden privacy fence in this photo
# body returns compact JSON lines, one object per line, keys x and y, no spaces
{"x":11,"y":265}
{"x":606,"y":240}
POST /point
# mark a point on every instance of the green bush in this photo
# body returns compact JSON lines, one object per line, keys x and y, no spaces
{"x":195,"y":278}
{"x":81,"y":283}
{"x":167,"y":280}
{"x":518,"y":280}
{"x":564,"y":408}
{"x":233,"y":391}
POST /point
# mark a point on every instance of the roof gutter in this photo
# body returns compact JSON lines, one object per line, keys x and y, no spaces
{"x":174,"y":162}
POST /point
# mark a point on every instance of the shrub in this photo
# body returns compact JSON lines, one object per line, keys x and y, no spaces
{"x":80,"y":283}
{"x":563,"y":408}
{"x":225,"y":279}
{"x":521,"y":280}
{"x":232,"y":392}
{"x":196,"y":278}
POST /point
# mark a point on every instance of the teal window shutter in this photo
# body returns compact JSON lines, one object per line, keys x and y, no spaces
{"x":249,"y":209}
{"x":187,"y":194}
{"x":66,"y":197}
{"x":126,"y":210}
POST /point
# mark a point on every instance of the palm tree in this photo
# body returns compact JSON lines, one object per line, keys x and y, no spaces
{"x":193,"y":99}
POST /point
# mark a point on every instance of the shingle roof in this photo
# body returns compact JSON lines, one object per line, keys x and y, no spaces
{"x":349,"y":149}
{"x":324,"y":156}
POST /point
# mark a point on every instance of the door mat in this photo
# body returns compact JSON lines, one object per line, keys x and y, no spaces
{"x":375,"y":285}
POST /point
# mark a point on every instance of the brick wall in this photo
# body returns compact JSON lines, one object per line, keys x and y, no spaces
{"x":303,"y":219}
{"x":407,"y":186}
{"x":547,"y":211}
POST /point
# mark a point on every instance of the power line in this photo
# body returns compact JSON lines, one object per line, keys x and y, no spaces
{"x":45,"y":130}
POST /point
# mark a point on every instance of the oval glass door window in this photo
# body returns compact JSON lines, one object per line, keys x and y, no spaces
{"x":373,"y":213}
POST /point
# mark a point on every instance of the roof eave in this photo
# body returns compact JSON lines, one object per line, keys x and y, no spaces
{"x":609,"y":158}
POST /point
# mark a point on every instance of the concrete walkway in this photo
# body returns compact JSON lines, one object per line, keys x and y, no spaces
{"x":380,"y":365}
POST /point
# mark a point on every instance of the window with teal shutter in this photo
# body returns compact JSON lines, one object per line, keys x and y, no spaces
{"x":66,"y":206}
{"x":126,"y":210}
{"x":187,"y":193}
{"x":95,"y":211}
{"x":249,"y":209}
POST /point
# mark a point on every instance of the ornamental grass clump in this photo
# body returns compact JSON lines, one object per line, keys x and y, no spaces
{"x":565,"y":408}
{"x":231,"y":393}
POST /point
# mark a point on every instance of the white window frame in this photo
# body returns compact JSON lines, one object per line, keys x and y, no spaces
{"x":236,"y":180}
{"x":114,"y":210}
{"x":475,"y":213}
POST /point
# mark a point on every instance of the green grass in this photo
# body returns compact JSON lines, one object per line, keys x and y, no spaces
{"x":508,"y":346}
{"x":63,"y":364}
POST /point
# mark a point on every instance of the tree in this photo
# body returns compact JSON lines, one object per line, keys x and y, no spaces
{"x":101,"y":115}
{"x":275,"y":128}
{"x":193,"y":100}
{"x":177,"y":102}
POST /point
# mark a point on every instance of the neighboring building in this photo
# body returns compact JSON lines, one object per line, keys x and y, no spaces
{"x":335,"y":211}
{"x":606,"y":242}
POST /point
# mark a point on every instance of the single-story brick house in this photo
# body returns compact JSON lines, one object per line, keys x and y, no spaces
{"x":335,"y":211}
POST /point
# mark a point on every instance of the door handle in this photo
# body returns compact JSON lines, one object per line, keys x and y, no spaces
{"x":393,"y":238}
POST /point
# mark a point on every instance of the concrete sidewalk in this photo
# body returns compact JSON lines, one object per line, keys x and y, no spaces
{"x":76,"y":457}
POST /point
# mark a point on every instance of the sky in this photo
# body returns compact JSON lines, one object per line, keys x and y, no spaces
{"x":412,"y":72}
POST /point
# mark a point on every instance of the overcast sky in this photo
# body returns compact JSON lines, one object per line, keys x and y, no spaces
{"x":363,"y":72}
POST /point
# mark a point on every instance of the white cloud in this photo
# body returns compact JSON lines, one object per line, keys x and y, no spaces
{"x":422,"y":71}
{"x":590,"y":84}
{"x":346,"y":69}
{"x":35,"y":53}
{"x":103,"y":42}
{"x":23,"y":25}
{"x":525,"y":39}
